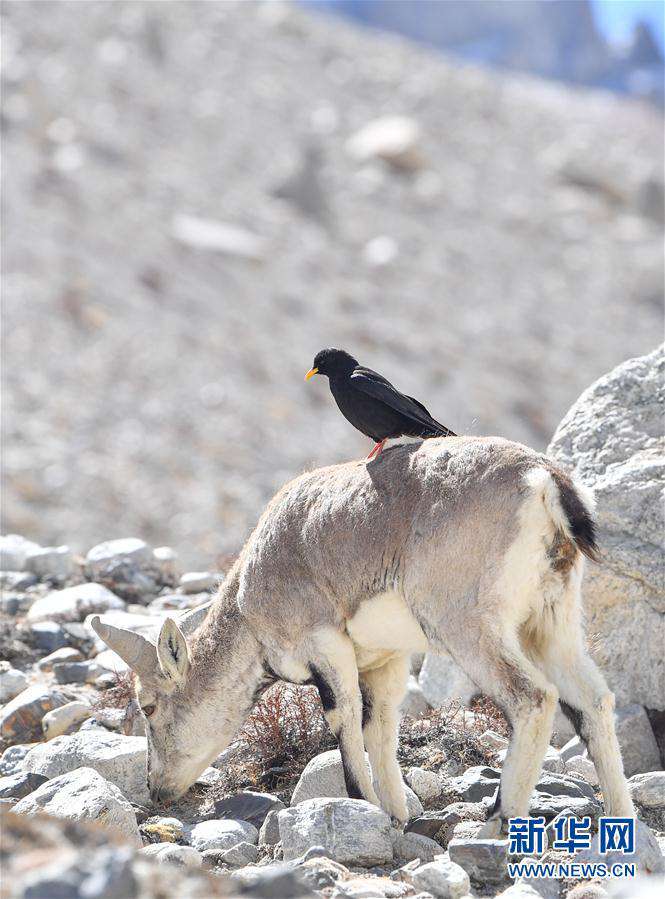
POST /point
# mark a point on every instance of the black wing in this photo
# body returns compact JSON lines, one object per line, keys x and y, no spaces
{"x":378,"y":387}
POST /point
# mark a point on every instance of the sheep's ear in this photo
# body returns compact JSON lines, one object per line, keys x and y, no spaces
{"x":172,"y":652}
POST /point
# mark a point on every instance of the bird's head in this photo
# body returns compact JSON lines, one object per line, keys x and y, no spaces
{"x":332,"y":362}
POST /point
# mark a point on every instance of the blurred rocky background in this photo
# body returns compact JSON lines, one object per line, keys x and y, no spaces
{"x":199,"y":196}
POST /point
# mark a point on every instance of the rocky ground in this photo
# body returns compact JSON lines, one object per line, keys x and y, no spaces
{"x":199,"y":196}
{"x":268,"y":818}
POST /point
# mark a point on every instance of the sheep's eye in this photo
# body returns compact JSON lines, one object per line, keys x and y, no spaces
{"x":148,"y":710}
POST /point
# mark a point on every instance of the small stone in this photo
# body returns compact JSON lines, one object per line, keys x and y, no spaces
{"x":182,"y":856}
{"x":221,"y":237}
{"x":163,"y":830}
{"x":198,"y":581}
{"x":572,"y":748}
{"x":466,"y":830}
{"x":269,"y":832}
{"x":351,"y":831}
{"x":110,"y":661}
{"x":484,"y":861}
{"x":83,"y":795}
{"x":208,"y":777}
{"x":19,"y":785}
{"x":270,"y":882}
{"x":648,"y":789}
{"x":580,"y":766}
{"x":17,"y":580}
{"x":166,"y":560}
{"x":414,"y":702}
{"x":52,"y":562}
{"x":394,"y":139}
{"x":639,"y":749}
{"x":248,"y":806}
{"x":77,"y":672}
{"x":12,"y":758}
{"x":65,"y":654}
{"x":48,"y":636}
{"x":12,"y":682}
{"x":21,"y":719}
{"x":13,"y":552}
{"x":427,"y":785}
{"x":128,"y":549}
{"x":240,"y":855}
{"x":74,"y":603}
{"x":64,"y":719}
{"x":442,"y":878}
{"x":221,"y":834}
{"x":564,"y":785}
{"x":476,"y":783}
{"x":553,"y":761}
{"x":410,"y":846}
{"x":550,"y":806}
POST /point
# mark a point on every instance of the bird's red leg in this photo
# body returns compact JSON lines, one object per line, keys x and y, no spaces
{"x":376,"y":452}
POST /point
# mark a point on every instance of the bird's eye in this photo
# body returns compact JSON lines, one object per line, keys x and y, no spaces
{"x":148,"y":710}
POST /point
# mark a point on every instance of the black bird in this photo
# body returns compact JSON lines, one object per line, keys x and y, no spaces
{"x":371,"y":403}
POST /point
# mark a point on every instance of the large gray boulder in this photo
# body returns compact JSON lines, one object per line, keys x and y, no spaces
{"x":351,"y":831}
{"x":83,"y":795}
{"x":613,"y":439}
{"x":119,"y":759}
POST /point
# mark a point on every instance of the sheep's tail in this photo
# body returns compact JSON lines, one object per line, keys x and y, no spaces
{"x":570,"y":505}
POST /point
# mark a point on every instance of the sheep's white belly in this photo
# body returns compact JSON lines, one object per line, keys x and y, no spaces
{"x":383,"y":627}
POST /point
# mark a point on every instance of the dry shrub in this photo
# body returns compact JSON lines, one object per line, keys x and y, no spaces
{"x":450,"y":734}
{"x":119,"y":695}
{"x":284,"y":731}
{"x":287,"y":727}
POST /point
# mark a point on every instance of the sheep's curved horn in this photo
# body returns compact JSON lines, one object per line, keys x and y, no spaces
{"x":189,"y":621}
{"x":139,"y":653}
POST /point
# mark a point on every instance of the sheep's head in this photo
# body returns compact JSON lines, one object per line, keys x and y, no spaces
{"x":180,"y":742}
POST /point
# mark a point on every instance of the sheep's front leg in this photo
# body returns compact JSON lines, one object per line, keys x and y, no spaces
{"x":332,"y":664}
{"x":382,"y":690}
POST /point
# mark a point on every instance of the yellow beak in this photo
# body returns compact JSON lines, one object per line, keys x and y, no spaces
{"x":311,"y":373}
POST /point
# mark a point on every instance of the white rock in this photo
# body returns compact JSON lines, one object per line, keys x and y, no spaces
{"x":198,"y":581}
{"x":350,"y":830}
{"x":65,"y":654}
{"x":380,"y":251}
{"x":112,"y":552}
{"x":442,"y":878}
{"x":612,"y":437}
{"x":553,"y":761}
{"x":166,"y":560}
{"x":427,"y":785}
{"x":580,"y":766}
{"x":83,"y":795}
{"x":56,"y":562}
{"x":62,"y":719}
{"x":182,"y":856}
{"x":221,"y":834}
{"x":443,"y":681}
{"x":414,"y":702}
{"x":240,"y":855}
{"x":111,"y":661}
{"x":572,"y":748}
{"x":220,"y":237}
{"x":323,"y":776}
{"x":74,"y":603}
{"x":410,"y":846}
{"x":12,"y":682}
{"x":395,"y":139}
{"x":639,"y":749}
{"x":119,"y":759}
{"x":13,"y":552}
{"x":648,"y":789}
